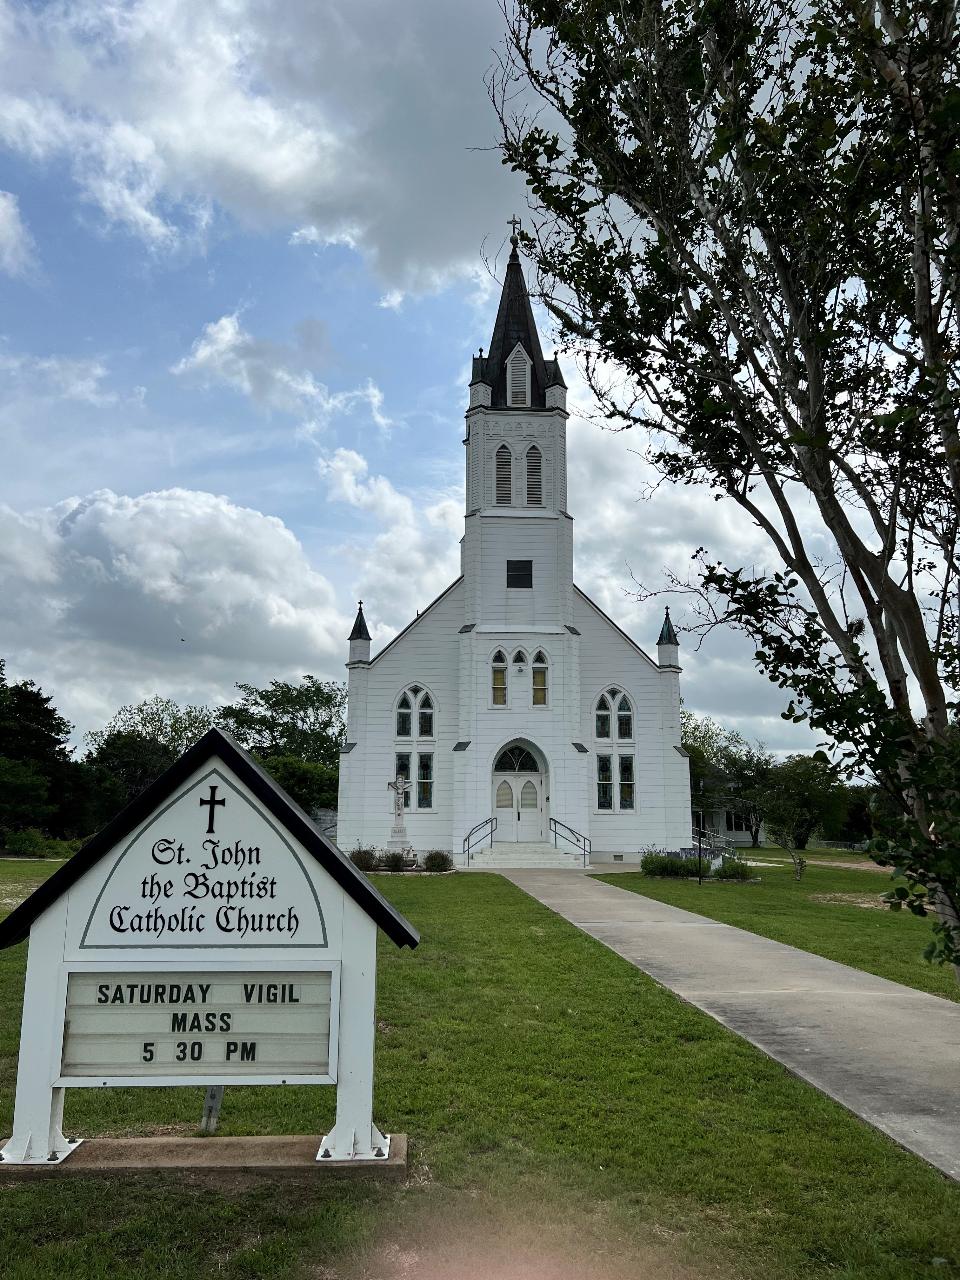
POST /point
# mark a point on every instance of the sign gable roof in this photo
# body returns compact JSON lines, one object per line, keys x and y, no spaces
{"x":215,"y":744}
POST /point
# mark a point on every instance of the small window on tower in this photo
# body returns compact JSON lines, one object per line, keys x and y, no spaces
{"x":534,"y":477}
{"x":520,"y":573}
{"x":504,"y":477}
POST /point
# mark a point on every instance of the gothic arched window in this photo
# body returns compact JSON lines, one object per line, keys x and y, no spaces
{"x":534,"y":477}
{"x":624,"y":718}
{"x":426,"y":716}
{"x":516,"y":760}
{"x":519,"y":658}
{"x":603,"y":717}
{"x":504,"y":477}
{"x":416,"y":699}
{"x":539,"y":679}
{"x":404,"y":717}
{"x":498,"y":679}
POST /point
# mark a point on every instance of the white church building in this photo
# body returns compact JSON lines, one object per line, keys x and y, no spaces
{"x":532,"y":729}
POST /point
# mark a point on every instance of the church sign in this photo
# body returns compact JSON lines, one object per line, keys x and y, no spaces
{"x":209,"y":935}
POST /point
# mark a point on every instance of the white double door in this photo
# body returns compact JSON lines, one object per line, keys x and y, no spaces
{"x":518,"y":806}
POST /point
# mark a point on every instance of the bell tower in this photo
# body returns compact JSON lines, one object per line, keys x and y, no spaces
{"x":517,"y":550}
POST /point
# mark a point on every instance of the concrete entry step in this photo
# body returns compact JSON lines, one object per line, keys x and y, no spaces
{"x":522,"y":856}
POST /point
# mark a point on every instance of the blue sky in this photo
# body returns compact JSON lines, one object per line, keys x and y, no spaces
{"x":241,"y":277}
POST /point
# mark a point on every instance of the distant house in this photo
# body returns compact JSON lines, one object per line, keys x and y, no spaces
{"x":728,"y":823}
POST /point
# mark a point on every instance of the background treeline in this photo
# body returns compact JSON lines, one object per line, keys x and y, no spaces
{"x":53,"y":796}
{"x":792,"y":800}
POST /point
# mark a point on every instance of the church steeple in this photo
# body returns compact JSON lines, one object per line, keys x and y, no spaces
{"x":514,"y":327}
{"x":360,"y":638}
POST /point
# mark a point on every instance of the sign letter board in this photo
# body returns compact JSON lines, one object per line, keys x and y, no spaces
{"x":209,"y":935}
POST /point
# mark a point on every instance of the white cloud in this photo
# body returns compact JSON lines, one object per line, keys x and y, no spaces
{"x":346,"y":123}
{"x":413,"y":558}
{"x":55,"y":378}
{"x":108,"y":599}
{"x":16,"y":242}
{"x":225,"y":354}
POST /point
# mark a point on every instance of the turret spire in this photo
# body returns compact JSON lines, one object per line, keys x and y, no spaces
{"x":667,"y":633}
{"x":360,"y":631}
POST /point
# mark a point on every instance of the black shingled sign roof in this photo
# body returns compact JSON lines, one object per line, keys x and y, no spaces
{"x":214,"y":744}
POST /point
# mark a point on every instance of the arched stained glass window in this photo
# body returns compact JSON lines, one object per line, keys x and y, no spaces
{"x":504,"y":795}
{"x":519,"y":657}
{"x":404,"y":717}
{"x":603,"y":717}
{"x":528,"y":796}
{"x":504,"y":477}
{"x":498,"y":680}
{"x":426,"y":716}
{"x":534,"y":477}
{"x":624,"y":718}
{"x":539,"y":679}
{"x":516,"y":760}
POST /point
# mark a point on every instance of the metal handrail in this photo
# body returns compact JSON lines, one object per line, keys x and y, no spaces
{"x":577,"y":838}
{"x":468,"y":840}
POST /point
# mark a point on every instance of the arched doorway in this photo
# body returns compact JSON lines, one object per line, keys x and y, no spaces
{"x":520,"y":795}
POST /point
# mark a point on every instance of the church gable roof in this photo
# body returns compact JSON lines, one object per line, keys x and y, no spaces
{"x":416,"y":621}
{"x":215,"y":744}
{"x":620,"y":631}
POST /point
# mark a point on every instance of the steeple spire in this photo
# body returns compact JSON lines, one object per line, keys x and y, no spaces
{"x":360,"y":631}
{"x":515,"y":324}
{"x":667,"y":633}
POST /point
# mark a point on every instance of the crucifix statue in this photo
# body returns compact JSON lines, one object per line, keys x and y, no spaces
{"x":400,"y":786}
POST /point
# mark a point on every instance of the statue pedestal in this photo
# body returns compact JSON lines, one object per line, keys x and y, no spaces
{"x":398,"y":837}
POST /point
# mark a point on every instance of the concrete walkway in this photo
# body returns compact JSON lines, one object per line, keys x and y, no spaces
{"x":888,"y":1053}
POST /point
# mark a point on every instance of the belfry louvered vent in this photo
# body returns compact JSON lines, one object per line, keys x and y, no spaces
{"x":534,"y":477}
{"x":504,"y":479}
{"x":517,"y":378}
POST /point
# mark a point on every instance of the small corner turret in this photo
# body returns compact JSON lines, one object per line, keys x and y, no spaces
{"x":360,"y":638}
{"x":668,"y":646}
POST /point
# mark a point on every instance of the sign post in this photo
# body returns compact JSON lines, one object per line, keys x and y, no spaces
{"x":209,"y":935}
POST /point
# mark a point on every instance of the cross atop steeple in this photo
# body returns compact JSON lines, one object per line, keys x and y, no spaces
{"x":515,"y":223}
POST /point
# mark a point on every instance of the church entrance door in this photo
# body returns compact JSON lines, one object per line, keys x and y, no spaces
{"x":519,"y":798}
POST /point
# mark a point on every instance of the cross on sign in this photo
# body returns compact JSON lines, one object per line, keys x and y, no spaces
{"x":212,"y":801}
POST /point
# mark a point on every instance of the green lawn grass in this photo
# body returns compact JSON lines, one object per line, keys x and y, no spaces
{"x":536,"y":1073}
{"x":887,"y":943}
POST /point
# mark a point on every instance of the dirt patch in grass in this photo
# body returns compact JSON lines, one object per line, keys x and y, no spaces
{"x":869,"y":902}
{"x":495,"y":1249}
{"x":10,"y":900}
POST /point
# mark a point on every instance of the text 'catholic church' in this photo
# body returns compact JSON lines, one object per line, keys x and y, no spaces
{"x":529,"y":725}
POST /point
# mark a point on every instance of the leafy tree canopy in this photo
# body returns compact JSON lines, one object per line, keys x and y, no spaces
{"x":156,"y":718}
{"x":305,"y":720}
{"x":746,"y":217}
{"x":313,"y":786}
{"x":123,"y":764}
